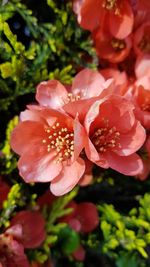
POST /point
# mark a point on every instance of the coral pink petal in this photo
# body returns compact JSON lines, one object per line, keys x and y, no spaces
{"x":92,"y":114}
{"x":52,"y":115}
{"x":91,"y":151}
{"x":145,"y":82}
{"x":30,"y":115}
{"x":129,"y":165}
{"x":74,"y":108}
{"x":88,"y":83}
{"x":102,"y":162}
{"x":33,"y":233}
{"x":115,"y":109}
{"x":87,"y":20}
{"x":121,"y":25}
{"x":132,"y":141}
{"x":36,"y":165}
{"x":146,"y":170}
{"x":25,"y":135}
{"x":79,"y":138}
{"x":94,"y":156}
{"x":86,"y":180}
{"x":51,"y":94}
{"x":142,"y":66}
{"x":119,"y":112}
{"x":68,"y":178}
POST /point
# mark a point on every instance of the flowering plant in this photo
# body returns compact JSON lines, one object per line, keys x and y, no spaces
{"x":74,"y":140}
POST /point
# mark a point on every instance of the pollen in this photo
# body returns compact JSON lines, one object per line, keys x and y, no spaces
{"x":106,"y":138}
{"x":117,"y":44}
{"x":111,"y":5}
{"x":60,"y":140}
{"x":72,"y":97}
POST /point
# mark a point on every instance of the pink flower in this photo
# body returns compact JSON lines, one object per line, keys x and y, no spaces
{"x":108,"y":47}
{"x":120,"y":81}
{"x":11,"y":251}
{"x":49,"y":143}
{"x":142,"y":103}
{"x":116,"y":15}
{"x":139,"y":91}
{"x":32,"y":234}
{"x":114,"y":135}
{"x":87,"y":85}
{"x":84,"y":217}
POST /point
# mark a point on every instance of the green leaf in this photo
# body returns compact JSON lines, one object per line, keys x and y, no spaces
{"x":69,"y":239}
{"x":127,"y":261}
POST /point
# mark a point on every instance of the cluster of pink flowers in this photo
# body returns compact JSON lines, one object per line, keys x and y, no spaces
{"x":98,"y":120}
{"x":118,"y":28}
{"x":102,"y":119}
{"x":21,"y":234}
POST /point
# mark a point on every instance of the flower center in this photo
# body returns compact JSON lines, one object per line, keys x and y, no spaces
{"x":144,"y":44}
{"x":111,"y":5}
{"x":106,"y":138}
{"x":72,"y":97}
{"x":60,"y":139}
{"x":117,"y":44}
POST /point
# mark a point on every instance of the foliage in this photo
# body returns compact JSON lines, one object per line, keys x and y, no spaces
{"x":126,"y":238}
{"x":41,"y":40}
{"x":17,"y":198}
{"x":56,"y":231}
{"x":24,"y":66}
{"x":7,"y":154}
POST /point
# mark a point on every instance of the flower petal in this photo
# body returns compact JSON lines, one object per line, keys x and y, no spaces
{"x":74,"y":108}
{"x":88,"y":214}
{"x":37,"y":165}
{"x":30,"y":115}
{"x":25,"y":134}
{"x":117,"y":110}
{"x":68,"y":178}
{"x":121,"y":25}
{"x":85,"y":11}
{"x":88,"y":83}
{"x":132,"y":141}
{"x":129,"y":165}
{"x":33,"y":235}
{"x":51,"y":94}
{"x":79,"y":138}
